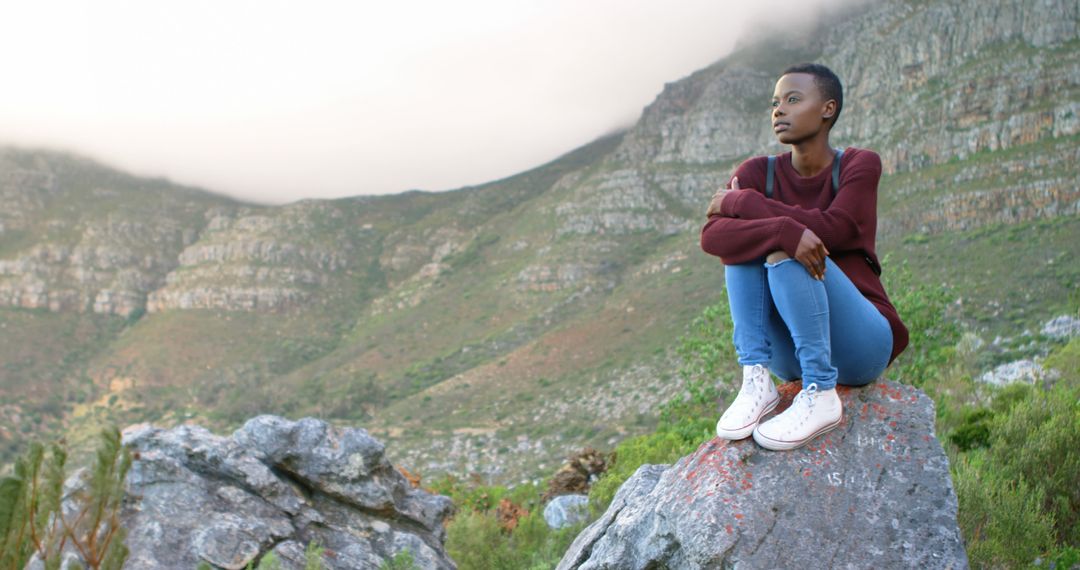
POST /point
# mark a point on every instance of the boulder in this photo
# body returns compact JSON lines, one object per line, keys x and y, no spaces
{"x":274,"y":486}
{"x":566,"y":510}
{"x":1024,"y":370}
{"x":873,"y":493}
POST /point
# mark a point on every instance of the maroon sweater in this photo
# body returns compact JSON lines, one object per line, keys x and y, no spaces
{"x":751,"y":226}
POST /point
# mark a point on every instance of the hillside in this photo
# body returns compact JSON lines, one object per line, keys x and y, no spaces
{"x":494,"y":328}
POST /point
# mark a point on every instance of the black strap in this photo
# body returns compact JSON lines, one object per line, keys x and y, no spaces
{"x":771,"y":169}
{"x":769,"y":176}
{"x":836,"y":171}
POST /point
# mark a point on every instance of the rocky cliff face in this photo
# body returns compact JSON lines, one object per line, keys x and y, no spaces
{"x":62,"y":254}
{"x":256,"y":260}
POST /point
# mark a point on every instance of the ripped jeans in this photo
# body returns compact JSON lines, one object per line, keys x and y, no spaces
{"x":824,"y":332}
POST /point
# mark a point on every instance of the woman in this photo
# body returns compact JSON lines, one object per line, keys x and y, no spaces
{"x":800,"y":267}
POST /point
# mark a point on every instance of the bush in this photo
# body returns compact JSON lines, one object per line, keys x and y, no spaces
{"x":1066,"y":360}
{"x":1002,"y":520}
{"x":974,"y":430}
{"x":475,"y":540}
{"x":931,"y":336}
{"x":663,"y":446}
{"x":31,"y":520}
{"x":1039,"y":441}
{"x":403,"y":560}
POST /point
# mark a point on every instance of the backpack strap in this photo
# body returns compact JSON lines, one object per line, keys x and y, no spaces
{"x":770,"y":173}
{"x":769,"y":176}
{"x":836,"y":171}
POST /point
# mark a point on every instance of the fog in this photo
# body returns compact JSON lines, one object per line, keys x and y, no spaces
{"x":273,"y":102}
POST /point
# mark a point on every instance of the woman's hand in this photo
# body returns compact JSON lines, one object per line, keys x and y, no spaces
{"x":718,"y":197}
{"x":812,"y":253}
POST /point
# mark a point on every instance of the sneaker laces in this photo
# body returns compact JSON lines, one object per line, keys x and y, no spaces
{"x":752,"y":391}
{"x":802,"y":405}
{"x":750,"y":375}
{"x":806,"y":395}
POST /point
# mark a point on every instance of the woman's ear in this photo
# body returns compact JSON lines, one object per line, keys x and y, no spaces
{"x":828,"y":110}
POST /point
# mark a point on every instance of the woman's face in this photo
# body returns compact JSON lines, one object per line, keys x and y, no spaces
{"x":799,"y":112}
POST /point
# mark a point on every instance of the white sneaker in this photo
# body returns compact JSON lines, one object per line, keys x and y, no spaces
{"x":811,"y":414}
{"x":757,"y":397}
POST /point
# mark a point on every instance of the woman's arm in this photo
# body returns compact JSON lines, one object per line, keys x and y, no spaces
{"x":737,"y":240}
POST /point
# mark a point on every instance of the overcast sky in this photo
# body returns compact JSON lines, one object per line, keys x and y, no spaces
{"x":273,"y":101}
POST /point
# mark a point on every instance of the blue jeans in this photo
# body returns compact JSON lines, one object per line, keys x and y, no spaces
{"x":824,"y":332}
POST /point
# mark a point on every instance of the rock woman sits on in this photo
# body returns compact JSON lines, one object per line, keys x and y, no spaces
{"x":796,"y":235}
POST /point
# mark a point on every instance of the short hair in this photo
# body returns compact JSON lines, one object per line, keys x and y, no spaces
{"x":827,"y":82}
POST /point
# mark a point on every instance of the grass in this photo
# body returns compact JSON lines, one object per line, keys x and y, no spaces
{"x":1007,"y":277}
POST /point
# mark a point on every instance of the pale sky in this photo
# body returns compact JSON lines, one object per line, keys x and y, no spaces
{"x":274,"y":101}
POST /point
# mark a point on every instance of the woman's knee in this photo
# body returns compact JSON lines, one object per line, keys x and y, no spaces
{"x":777,"y":257}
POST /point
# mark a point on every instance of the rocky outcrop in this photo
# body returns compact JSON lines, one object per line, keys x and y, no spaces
{"x":108,"y":267}
{"x":77,"y":236}
{"x":617,"y":203}
{"x":873,"y":493}
{"x":257,"y":260}
{"x":274,"y":486}
{"x":1062,"y":327}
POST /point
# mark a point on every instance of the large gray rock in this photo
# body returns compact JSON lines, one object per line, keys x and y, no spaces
{"x":566,"y":510}
{"x":873,"y":493}
{"x":274,"y":485}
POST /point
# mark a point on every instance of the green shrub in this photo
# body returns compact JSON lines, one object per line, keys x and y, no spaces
{"x":401,"y":561}
{"x":1039,"y":441}
{"x":975,"y":429}
{"x":1001,"y":517}
{"x":313,"y":556}
{"x":470,"y":497}
{"x":475,"y":540}
{"x":1066,"y":360}
{"x":268,"y":562}
{"x":655,"y":448}
{"x":1065,"y":557}
{"x":31,"y":520}
{"x":932,"y":336}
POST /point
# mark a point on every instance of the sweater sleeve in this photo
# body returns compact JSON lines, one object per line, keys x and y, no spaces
{"x":736,"y":240}
{"x":842,"y":225}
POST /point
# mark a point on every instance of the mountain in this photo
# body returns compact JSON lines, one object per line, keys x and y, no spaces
{"x":495,"y":328}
